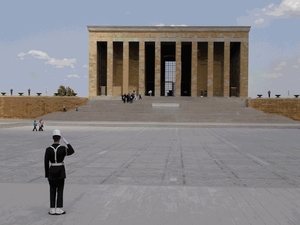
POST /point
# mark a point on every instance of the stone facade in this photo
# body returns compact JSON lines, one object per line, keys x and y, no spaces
{"x":26,"y":107}
{"x":210,"y":61}
{"x":288,"y":107}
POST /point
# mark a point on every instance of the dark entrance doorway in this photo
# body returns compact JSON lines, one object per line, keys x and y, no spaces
{"x":102,"y":68}
{"x":235,"y":58}
{"x":149,"y":67}
{"x":170,"y":74}
{"x":186,"y":68}
{"x":168,"y":68}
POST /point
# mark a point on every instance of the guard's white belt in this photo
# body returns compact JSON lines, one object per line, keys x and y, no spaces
{"x":57,"y":164}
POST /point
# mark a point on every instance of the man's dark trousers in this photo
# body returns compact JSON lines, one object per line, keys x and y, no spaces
{"x":56,"y":186}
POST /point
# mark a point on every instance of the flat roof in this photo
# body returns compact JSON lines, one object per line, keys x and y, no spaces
{"x":169,"y":28}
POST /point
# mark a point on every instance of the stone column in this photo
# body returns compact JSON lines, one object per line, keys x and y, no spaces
{"x":157,"y":67}
{"x":244,"y":70}
{"x":178,"y":69}
{"x":109,"y":78}
{"x":93,"y":77}
{"x":210,"y":69}
{"x":141,"y":88}
{"x":125,"y":67}
{"x":194,"y":68}
{"x":226,"y":69}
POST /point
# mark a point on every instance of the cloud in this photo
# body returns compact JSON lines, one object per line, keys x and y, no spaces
{"x":263,"y":17}
{"x":281,"y":65}
{"x":73,"y":76}
{"x":287,"y":9}
{"x":259,"y":21}
{"x":85,"y":66}
{"x":61,"y":63}
{"x":58,"y":63}
{"x":271,"y":75}
{"x":21,"y":55}
{"x":38,"y":54}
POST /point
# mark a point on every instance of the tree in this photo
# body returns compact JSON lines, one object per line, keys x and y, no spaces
{"x":65,"y":91}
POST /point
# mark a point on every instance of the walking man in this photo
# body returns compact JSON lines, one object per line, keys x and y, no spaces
{"x":269,"y":93}
{"x":55,"y":171}
{"x":34,"y":125}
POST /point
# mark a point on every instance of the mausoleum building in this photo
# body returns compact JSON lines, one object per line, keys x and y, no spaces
{"x":169,"y":61}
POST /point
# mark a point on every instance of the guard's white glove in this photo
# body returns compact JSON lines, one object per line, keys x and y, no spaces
{"x":65,"y":141}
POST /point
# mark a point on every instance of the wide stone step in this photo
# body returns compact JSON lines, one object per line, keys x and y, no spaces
{"x":169,"y":109}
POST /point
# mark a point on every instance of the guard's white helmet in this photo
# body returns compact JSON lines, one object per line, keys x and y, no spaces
{"x":56,"y":133}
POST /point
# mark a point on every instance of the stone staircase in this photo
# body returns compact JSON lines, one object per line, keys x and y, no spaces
{"x":168,"y":109}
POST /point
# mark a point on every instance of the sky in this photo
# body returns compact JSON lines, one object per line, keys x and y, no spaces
{"x":44,"y":44}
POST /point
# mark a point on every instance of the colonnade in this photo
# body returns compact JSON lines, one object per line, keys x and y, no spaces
{"x":214,"y":66}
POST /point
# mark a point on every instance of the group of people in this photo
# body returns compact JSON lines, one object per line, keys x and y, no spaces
{"x":130,"y":97}
{"x":40,"y":124}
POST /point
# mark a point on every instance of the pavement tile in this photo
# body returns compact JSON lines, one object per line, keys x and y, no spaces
{"x":154,"y":175}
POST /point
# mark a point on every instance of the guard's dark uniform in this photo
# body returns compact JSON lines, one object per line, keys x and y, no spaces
{"x":55,"y":171}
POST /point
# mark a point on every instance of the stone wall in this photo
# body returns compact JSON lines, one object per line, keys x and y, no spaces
{"x":26,"y":107}
{"x":288,"y":107}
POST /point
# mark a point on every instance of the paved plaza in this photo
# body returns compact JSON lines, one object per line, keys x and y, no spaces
{"x":154,"y":174}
